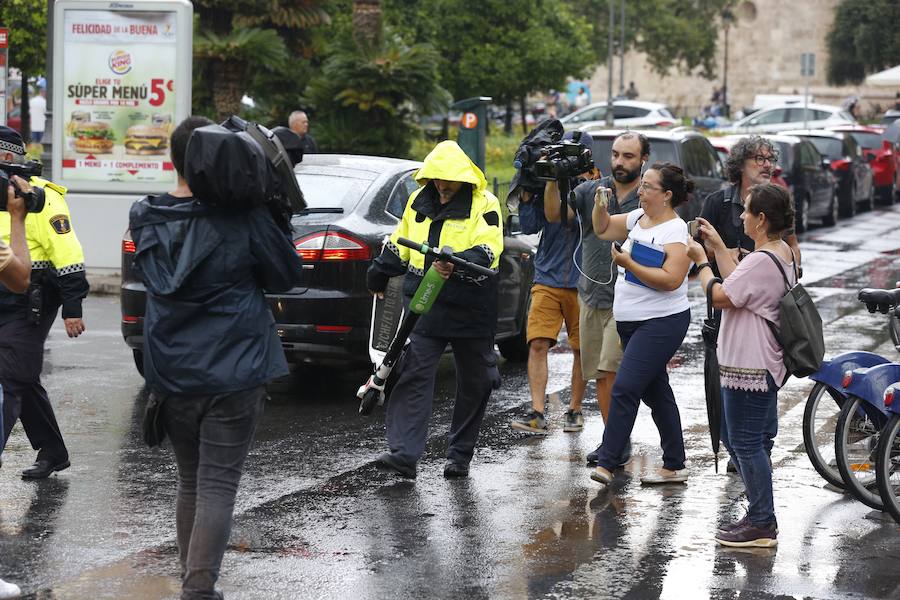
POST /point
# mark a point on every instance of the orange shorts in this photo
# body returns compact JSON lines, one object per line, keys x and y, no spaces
{"x":551,"y":306}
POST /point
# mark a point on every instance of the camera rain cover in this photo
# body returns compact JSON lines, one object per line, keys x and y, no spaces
{"x":227,"y":169}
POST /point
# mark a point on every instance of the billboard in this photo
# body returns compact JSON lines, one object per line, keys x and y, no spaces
{"x":122,"y":81}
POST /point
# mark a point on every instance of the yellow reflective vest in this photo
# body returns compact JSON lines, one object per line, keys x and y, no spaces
{"x":471,"y":224}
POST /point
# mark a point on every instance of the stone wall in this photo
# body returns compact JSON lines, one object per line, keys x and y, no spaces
{"x":764,"y":47}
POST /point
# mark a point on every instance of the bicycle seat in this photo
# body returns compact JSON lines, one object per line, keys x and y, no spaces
{"x":880,"y":300}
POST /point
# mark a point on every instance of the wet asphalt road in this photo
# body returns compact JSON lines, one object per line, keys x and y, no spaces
{"x":316,"y":520}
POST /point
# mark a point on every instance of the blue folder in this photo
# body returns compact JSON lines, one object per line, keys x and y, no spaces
{"x":648,"y":255}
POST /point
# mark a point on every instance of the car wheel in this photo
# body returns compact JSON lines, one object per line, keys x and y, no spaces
{"x":515,"y":349}
{"x":831,"y":218}
{"x":138,"y":361}
{"x":801,"y":219}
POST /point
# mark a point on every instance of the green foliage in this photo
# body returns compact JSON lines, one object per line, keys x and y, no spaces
{"x":679,"y":34}
{"x":863,"y":40}
{"x":27,"y":23}
{"x":366,"y":97}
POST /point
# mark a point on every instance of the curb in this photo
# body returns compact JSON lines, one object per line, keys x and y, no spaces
{"x":104,"y":285}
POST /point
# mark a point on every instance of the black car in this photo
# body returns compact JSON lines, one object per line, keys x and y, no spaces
{"x":687,"y":148}
{"x":354,"y":203}
{"x":851,"y":170}
{"x":811,"y":182}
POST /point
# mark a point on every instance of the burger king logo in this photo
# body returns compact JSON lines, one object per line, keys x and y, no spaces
{"x":120,"y":62}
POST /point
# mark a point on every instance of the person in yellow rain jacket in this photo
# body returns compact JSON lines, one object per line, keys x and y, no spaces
{"x":57,"y":278}
{"x":451,"y":208}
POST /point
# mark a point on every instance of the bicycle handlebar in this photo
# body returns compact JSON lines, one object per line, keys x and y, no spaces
{"x":445,"y":254}
{"x":880,"y":300}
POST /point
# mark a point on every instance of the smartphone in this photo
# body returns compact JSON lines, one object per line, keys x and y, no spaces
{"x":618,"y":246}
{"x":694,"y":229}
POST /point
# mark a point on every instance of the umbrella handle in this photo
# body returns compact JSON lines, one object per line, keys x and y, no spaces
{"x":709,"y":300}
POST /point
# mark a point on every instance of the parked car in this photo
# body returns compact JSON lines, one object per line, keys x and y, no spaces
{"x":789,"y":115}
{"x":687,"y":148}
{"x":890,"y":115}
{"x":801,"y":170}
{"x":845,"y":159}
{"x":879,"y":153}
{"x":626,"y":113}
{"x":354,"y":203}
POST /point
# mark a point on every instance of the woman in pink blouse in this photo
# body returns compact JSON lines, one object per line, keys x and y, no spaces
{"x":750,"y":360}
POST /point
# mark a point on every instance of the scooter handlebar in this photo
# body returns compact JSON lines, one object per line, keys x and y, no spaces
{"x":445,"y":254}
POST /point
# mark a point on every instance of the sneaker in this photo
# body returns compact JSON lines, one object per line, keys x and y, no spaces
{"x":743,"y":522}
{"x":574,"y":421}
{"x":749,"y":536}
{"x":662,"y":476}
{"x":534,"y":422}
{"x":9,"y":590}
{"x":592,"y":456}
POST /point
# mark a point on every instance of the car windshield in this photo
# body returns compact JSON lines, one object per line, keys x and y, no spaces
{"x":660,"y":151}
{"x":830,"y":148}
{"x":337,"y":189}
{"x":868,"y":139}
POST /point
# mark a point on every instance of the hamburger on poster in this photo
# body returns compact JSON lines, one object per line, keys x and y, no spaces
{"x":146,"y":140}
{"x":93,"y":137}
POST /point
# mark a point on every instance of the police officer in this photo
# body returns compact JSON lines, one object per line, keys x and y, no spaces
{"x":452,"y":208}
{"x":57,"y":278}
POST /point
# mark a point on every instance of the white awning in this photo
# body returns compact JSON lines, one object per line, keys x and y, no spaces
{"x":890,"y":77}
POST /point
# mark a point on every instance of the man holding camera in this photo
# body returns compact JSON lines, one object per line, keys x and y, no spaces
{"x":210,"y":347}
{"x":601,"y":351}
{"x":57,"y":278}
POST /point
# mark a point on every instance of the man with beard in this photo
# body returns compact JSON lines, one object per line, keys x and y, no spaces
{"x":601,"y":351}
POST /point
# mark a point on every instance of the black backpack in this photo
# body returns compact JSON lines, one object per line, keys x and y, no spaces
{"x":800,"y":333}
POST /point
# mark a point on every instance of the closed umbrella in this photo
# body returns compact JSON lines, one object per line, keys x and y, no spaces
{"x":713,"y":387}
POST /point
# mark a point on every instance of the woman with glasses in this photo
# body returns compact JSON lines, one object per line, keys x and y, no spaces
{"x":751,"y":362}
{"x":652,"y":316}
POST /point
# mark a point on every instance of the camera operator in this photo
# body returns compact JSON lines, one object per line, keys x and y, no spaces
{"x":210,"y":347}
{"x":601,"y":351}
{"x":15,"y":275}
{"x":57,"y":278}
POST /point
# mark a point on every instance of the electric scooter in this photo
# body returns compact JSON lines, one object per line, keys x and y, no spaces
{"x":372,"y":393}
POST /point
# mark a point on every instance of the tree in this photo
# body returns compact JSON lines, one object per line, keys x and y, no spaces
{"x":371,"y":86}
{"x":238,"y":39}
{"x":27,"y":23}
{"x":862,"y":40}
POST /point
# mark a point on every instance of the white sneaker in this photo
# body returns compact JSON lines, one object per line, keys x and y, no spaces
{"x":665,"y":476}
{"x":9,"y":590}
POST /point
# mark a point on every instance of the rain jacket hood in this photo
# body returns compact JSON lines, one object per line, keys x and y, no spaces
{"x":448,"y":162}
{"x":208,"y":328}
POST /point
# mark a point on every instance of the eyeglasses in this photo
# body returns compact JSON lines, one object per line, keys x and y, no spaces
{"x":644,"y":186}
{"x":761,"y":159}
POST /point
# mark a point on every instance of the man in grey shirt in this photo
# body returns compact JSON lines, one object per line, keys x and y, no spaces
{"x":601,"y":351}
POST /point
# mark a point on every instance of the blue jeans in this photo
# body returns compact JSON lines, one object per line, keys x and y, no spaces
{"x":648,"y":346}
{"x":748,"y":418}
{"x":211,"y":436}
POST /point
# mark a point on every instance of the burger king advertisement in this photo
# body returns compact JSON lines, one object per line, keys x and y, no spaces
{"x":122,"y":87}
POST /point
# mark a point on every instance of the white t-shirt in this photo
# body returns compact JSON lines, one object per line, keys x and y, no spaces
{"x":634,"y":302}
{"x":38,"y":106}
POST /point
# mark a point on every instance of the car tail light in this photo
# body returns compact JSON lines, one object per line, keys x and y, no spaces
{"x":848,"y":377}
{"x":840,"y":164}
{"x":889,"y":396}
{"x":129,"y":319}
{"x":333,"y":328}
{"x":128,"y":247}
{"x":331,"y":246}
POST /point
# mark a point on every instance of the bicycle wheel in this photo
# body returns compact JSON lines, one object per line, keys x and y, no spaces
{"x":855,"y":440}
{"x":819,"y":422}
{"x":887,"y":467}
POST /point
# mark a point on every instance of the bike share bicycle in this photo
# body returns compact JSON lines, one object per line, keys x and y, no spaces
{"x":856,"y":382}
{"x":373,"y":392}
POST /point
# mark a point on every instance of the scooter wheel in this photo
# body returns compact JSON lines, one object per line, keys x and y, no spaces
{"x":369,"y":402}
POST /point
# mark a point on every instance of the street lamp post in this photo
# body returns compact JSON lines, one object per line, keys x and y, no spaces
{"x":727,"y":18}
{"x":622,"y":50}
{"x":609,"y":65}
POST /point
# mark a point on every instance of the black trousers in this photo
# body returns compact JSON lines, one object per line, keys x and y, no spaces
{"x":21,"y":362}
{"x":409,"y":406}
